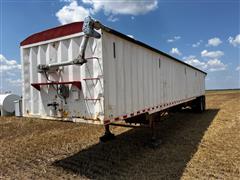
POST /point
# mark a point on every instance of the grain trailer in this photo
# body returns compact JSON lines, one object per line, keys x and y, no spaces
{"x":87,"y":72}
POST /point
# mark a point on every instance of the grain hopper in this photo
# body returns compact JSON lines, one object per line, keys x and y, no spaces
{"x":87,"y":72}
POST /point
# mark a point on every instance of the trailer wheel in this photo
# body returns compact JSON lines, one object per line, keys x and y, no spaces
{"x":204,"y":103}
{"x":199,"y":104}
{"x":201,"y":108}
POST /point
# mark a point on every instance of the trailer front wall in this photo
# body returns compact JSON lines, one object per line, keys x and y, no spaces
{"x":80,"y":104}
{"x":137,"y":79}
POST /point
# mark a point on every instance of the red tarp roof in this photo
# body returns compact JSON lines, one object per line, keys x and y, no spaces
{"x":53,"y":33}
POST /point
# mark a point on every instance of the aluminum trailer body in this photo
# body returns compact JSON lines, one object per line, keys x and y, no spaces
{"x":122,"y":78}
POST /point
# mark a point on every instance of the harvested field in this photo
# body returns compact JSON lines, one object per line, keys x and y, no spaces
{"x":195,"y":146}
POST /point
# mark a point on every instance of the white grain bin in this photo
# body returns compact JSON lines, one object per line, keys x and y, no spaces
{"x":7,"y":104}
{"x":18,"y":107}
{"x":122,"y":77}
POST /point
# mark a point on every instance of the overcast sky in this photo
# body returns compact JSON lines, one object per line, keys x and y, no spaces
{"x":203,"y":33}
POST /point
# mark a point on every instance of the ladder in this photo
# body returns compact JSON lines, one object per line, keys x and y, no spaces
{"x":91,"y":83}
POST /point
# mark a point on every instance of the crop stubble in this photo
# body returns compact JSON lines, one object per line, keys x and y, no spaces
{"x":199,"y":146}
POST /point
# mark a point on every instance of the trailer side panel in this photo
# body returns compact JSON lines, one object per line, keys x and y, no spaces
{"x":137,"y":79}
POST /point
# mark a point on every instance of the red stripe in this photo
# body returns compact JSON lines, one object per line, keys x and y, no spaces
{"x":125,"y":116}
{"x":106,"y":121}
{"x":132,"y":114}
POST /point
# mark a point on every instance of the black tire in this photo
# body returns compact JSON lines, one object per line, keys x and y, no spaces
{"x":199,"y":104}
{"x":204,"y":103}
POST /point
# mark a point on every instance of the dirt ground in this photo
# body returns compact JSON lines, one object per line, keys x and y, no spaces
{"x":195,"y":146}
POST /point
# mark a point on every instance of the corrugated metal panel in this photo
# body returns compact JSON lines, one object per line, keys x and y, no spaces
{"x":138,"y":78}
{"x":80,"y":105}
{"x":76,"y":27}
{"x":122,"y":79}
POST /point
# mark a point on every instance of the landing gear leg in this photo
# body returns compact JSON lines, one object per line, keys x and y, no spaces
{"x":107,"y":135}
{"x":152,"y":126}
{"x":154,"y":143}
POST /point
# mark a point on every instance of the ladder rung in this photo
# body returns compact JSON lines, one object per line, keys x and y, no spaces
{"x":91,"y":58}
{"x":91,"y":99}
{"x":85,"y":79}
